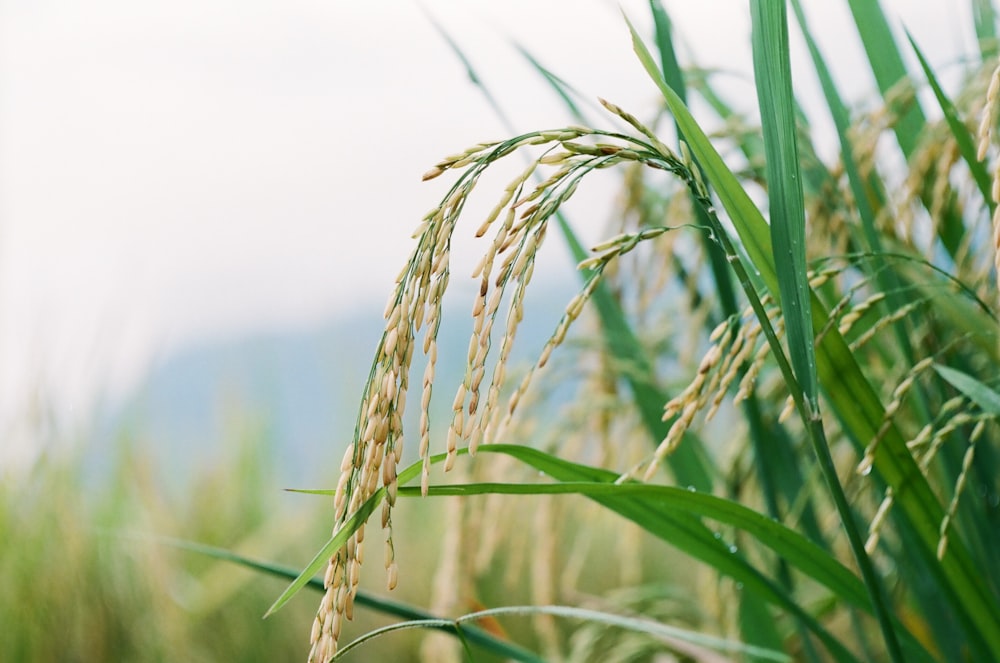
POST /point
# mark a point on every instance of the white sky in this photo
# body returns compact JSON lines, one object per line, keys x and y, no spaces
{"x":174,"y":170}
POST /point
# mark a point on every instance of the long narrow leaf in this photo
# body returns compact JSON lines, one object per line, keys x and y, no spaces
{"x":380,"y":604}
{"x":984,"y":17}
{"x":886,"y":63}
{"x":672,"y":73}
{"x":983,"y":396}
{"x":686,"y":533}
{"x":339,"y":538}
{"x":655,"y":629}
{"x":799,"y":551}
{"x":322,"y":558}
{"x":963,"y":137}
{"x":773,"y":455}
{"x":773,"y":75}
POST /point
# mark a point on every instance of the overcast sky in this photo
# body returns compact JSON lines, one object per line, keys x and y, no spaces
{"x":176,"y":170}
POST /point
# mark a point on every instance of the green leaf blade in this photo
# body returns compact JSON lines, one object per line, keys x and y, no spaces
{"x":773,"y":75}
{"x":983,"y":396}
{"x":984,"y":17}
{"x":963,"y":137}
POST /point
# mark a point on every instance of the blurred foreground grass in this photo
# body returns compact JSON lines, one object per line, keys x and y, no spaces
{"x":85,"y":577}
{"x":91,"y":570}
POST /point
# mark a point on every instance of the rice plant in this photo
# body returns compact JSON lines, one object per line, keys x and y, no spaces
{"x":824,"y":471}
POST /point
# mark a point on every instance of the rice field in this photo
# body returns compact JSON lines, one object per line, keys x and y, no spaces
{"x":764,"y":429}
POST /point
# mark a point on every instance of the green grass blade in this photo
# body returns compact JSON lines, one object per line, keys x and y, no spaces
{"x":339,"y":538}
{"x":860,"y":412}
{"x":963,"y":137}
{"x":383,"y":605}
{"x":984,"y":17}
{"x":681,"y":530}
{"x":886,"y":63}
{"x":672,"y":73}
{"x":563,"y":90}
{"x":322,"y":558}
{"x":890,"y":281}
{"x":769,"y":447}
{"x":649,"y":627}
{"x":869,"y":195}
{"x":697,"y":541}
{"x":983,"y":396}
{"x":800,"y":552}
{"x":689,"y":535}
{"x":773,"y":75}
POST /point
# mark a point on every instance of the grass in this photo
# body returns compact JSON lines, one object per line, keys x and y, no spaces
{"x":87,"y":576}
{"x":126,"y":563}
{"x":845,"y":508}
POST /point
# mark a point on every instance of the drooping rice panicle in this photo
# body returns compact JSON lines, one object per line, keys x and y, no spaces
{"x":504,"y":273}
{"x":989,"y":115}
{"x":960,"y":483}
{"x":898,"y":395}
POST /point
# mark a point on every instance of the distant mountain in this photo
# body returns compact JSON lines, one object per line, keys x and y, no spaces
{"x":296,"y":394}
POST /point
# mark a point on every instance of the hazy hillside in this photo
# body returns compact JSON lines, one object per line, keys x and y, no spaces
{"x":296,"y":392}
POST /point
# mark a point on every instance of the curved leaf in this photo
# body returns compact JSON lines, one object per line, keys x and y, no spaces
{"x":649,"y":627}
{"x":386,"y":606}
